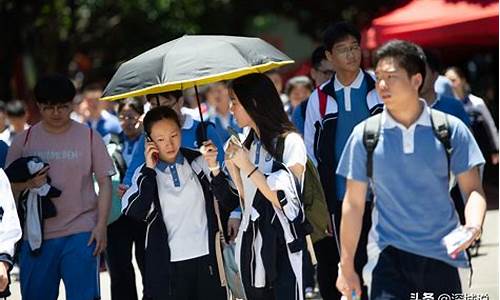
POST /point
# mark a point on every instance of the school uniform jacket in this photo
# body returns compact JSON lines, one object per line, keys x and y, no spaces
{"x":266,"y":231}
{"x":320,"y":132}
{"x":142,"y":203}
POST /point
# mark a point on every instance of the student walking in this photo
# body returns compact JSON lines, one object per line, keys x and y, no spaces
{"x":408,"y":166}
{"x":271,"y":237}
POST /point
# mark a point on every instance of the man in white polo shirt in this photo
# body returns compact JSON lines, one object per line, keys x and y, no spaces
{"x":409,"y":177}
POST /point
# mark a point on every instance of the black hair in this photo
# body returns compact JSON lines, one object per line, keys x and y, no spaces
{"x":93,"y":87}
{"x":15,"y":108}
{"x":459,"y":72}
{"x":339,"y":31}
{"x":406,"y":55}
{"x":260,"y":99}
{"x":134,"y":102}
{"x":54,"y":89}
{"x":432,"y":61}
{"x":318,"y":56}
{"x":297,"y":81}
{"x":177,"y":94}
{"x":157,"y":114}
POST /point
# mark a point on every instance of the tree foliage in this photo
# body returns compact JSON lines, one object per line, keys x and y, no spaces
{"x":111,"y":31}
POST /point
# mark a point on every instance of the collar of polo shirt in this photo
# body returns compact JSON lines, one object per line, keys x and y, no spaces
{"x":354,"y":85}
{"x":162,"y":166}
{"x":424,"y":119}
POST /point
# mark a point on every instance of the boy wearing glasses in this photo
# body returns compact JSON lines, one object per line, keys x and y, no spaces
{"x":74,"y":238}
{"x":333,"y":110}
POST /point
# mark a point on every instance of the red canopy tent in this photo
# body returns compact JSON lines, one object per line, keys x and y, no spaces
{"x":437,"y":23}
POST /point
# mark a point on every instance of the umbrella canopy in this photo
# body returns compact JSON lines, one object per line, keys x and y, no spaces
{"x":437,"y":23}
{"x":192,"y":60}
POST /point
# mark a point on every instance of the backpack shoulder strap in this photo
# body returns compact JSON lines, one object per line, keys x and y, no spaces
{"x":280,"y":147}
{"x":441,"y":130}
{"x":371,"y":133}
{"x":322,"y":97}
{"x":370,"y":83}
{"x":27,"y":136}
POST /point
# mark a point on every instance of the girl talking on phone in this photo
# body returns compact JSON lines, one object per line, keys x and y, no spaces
{"x":171,"y":193}
{"x":267,"y":171}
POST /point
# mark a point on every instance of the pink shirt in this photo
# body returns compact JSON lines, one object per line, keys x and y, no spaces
{"x":73,"y":161}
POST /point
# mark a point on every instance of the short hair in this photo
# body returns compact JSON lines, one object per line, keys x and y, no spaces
{"x":296,"y":81}
{"x":133,"y":102}
{"x":54,"y":89}
{"x":95,"y":86}
{"x":339,"y":31}
{"x":318,"y":56}
{"x":406,"y":55}
{"x":15,"y":108}
{"x":177,"y":94}
{"x":157,"y":114}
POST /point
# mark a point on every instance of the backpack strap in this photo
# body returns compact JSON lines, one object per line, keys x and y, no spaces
{"x":371,"y":134}
{"x":27,"y":136}
{"x":441,"y":130}
{"x":280,"y":148}
{"x":322,"y":97}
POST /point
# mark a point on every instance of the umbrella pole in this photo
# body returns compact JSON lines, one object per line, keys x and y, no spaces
{"x":204,"y":131}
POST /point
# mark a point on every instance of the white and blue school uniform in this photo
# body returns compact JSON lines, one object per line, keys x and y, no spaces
{"x":176,"y":202}
{"x":249,"y":255}
{"x":413,"y":210}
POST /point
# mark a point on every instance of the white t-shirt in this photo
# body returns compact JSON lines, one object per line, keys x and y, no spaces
{"x":183,"y":208}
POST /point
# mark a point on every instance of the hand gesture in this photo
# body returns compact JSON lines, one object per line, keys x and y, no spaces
{"x":233,"y":224}
{"x":39,"y":180}
{"x":151,"y":154}
{"x":236,"y":155}
{"x":99,"y":235}
{"x":348,"y":284}
{"x":209,"y":152}
{"x":476,"y":233}
{"x":4,"y":277}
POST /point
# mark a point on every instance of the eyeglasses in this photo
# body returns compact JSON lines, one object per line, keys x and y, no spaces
{"x":52,"y":108}
{"x":128,"y":118}
{"x":345,"y":50}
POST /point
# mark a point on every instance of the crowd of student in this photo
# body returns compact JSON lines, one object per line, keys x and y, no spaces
{"x":149,"y":173}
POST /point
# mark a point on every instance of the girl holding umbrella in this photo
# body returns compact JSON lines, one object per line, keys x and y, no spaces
{"x":271,"y":238}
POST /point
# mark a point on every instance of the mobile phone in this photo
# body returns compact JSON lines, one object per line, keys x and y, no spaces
{"x":150,"y":140}
{"x":234,"y":136}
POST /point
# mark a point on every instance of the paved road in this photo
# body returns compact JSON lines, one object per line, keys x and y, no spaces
{"x":485,"y":278}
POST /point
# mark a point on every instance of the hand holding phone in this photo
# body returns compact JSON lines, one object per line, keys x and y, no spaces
{"x":234,"y":137}
{"x":151,"y":153}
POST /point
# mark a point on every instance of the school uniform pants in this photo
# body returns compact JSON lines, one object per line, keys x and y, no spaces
{"x":122,"y":234}
{"x":196,"y":279}
{"x":399,"y":274}
{"x":328,"y":256}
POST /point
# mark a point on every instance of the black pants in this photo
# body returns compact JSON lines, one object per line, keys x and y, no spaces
{"x":122,"y":234}
{"x":328,"y":256}
{"x":399,"y":273}
{"x":196,"y":279}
